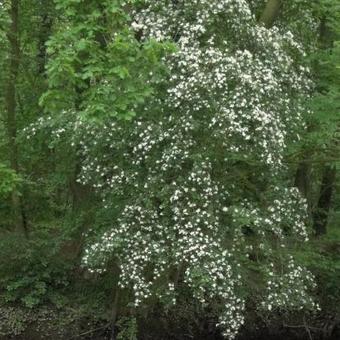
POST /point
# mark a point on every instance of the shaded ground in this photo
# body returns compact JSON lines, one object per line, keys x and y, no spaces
{"x":288,"y":333}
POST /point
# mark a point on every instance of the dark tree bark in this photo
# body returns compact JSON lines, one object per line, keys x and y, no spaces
{"x":303,"y":182}
{"x":19,"y":217}
{"x":114,"y":314}
{"x":44,"y":34}
{"x":10,"y":96}
{"x":302,"y":179}
{"x":271,"y":12}
{"x":323,"y":207}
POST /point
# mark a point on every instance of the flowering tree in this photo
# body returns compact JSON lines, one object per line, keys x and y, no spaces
{"x":195,"y":177}
{"x":197,"y":180}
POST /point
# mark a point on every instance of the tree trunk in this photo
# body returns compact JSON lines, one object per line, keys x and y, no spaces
{"x":303,"y":183}
{"x":325,"y":199}
{"x":270,"y":13}
{"x":11,"y":108}
{"x":44,"y":35}
{"x":114,"y":314}
{"x":302,"y":179}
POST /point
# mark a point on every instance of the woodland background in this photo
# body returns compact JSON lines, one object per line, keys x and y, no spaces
{"x":49,"y":56}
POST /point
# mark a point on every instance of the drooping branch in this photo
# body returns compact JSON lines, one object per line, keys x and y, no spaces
{"x":270,"y":12}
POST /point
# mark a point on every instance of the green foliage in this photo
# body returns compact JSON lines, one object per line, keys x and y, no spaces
{"x":33,"y":269}
{"x":9,"y":181}
{"x":323,"y":259}
{"x":97,"y":66}
{"x":326,"y":104}
{"x":128,"y":328}
{"x":323,"y":132}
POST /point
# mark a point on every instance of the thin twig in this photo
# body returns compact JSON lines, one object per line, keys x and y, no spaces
{"x":302,"y":326}
{"x":307,"y":329}
{"x":89,"y":332}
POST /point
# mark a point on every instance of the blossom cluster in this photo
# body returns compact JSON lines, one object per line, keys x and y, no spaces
{"x":287,"y":291}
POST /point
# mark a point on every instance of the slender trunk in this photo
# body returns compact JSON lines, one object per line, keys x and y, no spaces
{"x":19,"y":217}
{"x":303,"y":183}
{"x":270,"y":12}
{"x":326,"y":35}
{"x":302,"y":179}
{"x":10,"y":96}
{"x":325,"y":200}
{"x":115,"y":307}
{"x":178,"y":274}
{"x":114,"y":314}
{"x":44,"y":35}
